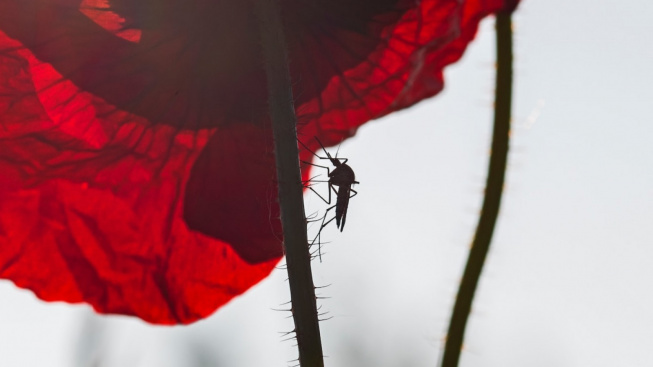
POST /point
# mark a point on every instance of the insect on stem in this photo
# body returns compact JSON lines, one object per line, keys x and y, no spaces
{"x":343,"y":178}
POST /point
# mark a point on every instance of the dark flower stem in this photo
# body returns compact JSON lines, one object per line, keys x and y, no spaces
{"x":293,"y":219}
{"x":493,"y":191}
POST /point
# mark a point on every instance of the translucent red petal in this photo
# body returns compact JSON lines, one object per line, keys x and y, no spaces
{"x":136,"y":159}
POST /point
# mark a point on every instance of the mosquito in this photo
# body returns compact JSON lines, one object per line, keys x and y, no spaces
{"x":343,"y":177}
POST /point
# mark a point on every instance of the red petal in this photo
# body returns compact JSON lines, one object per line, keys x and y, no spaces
{"x":404,"y":66}
{"x":137,"y":157}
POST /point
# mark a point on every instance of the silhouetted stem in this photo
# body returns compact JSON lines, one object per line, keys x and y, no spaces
{"x":493,"y":191}
{"x":293,"y":219}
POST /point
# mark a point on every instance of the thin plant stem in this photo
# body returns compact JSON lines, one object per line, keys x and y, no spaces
{"x":493,"y":193}
{"x":293,"y":218}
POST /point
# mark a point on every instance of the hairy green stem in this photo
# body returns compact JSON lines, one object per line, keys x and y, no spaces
{"x":293,"y":219}
{"x":493,"y":192}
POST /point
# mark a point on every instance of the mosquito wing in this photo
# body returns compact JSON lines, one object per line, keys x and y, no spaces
{"x":342,"y":204}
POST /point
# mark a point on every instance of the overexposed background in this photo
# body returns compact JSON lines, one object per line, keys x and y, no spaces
{"x":569,"y":276}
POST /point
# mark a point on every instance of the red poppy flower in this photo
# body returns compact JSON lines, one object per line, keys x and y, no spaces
{"x":136,"y":160}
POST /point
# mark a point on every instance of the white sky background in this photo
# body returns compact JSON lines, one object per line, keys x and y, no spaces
{"x":569,"y":276}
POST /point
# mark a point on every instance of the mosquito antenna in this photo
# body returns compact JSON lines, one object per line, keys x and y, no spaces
{"x":337,"y":150}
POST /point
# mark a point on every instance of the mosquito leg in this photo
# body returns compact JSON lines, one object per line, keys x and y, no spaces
{"x":342,"y":160}
{"x":354,"y":191}
{"x":312,"y":152}
{"x":317,"y":165}
{"x":318,"y":237}
{"x":323,"y":224}
{"x":323,"y":199}
{"x":324,"y":149}
{"x":334,"y":190}
{"x":312,"y":179}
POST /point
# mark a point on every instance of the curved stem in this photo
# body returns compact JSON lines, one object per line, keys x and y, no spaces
{"x":493,"y":192}
{"x":291,"y":201}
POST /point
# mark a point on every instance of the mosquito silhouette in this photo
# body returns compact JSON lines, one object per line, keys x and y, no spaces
{"x":342,"y":177}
